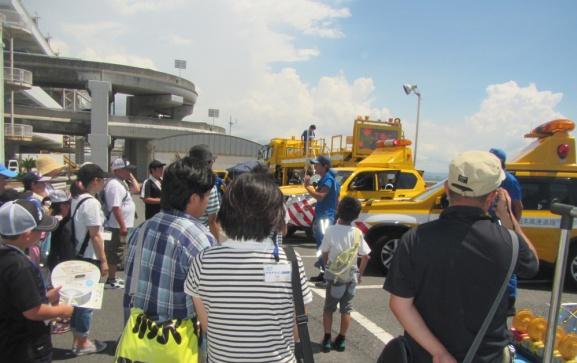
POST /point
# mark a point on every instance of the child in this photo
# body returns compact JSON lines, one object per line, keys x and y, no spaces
{"x":25,"y":303}
{"x":341,"y":245}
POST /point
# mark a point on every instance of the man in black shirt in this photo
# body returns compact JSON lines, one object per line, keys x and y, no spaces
{"x":150,"y":192}
{"x":446,"y":274}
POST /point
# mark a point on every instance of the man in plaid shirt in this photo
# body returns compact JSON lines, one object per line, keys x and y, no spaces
{"x":171,"y":240}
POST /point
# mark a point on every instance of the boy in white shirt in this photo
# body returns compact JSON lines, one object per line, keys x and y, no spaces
{"x":341,"y":245}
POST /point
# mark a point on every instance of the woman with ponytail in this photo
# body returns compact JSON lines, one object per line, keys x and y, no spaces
{"x":88,"y":219}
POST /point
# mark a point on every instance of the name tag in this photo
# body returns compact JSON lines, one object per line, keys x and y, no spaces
{"x":277,"y":273}
{"x":107,"y":235}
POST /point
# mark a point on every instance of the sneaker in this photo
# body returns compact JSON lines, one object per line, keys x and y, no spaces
{"x":339,"y":344}
{"x":60,"y":327}
{"x":326,"y":344}
{"x":114,"y":284}
{"x":319,"y":278}
{"x":94,"y":347}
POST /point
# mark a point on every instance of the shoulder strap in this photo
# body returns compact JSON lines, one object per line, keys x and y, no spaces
{"x":300,"y":314}
{"x":481,"y":333}
{"x":72,"y":228}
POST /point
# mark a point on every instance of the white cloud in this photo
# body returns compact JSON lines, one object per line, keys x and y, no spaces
{"x":117,"y":58}
{"x":177,"y":40}
{"x":138,"y":6}
{"x":508,"y":112}
{"x":94,"y":31}
{"x":306,"y":16}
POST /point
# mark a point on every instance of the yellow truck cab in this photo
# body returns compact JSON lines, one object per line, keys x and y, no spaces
{"x":547,"y":172}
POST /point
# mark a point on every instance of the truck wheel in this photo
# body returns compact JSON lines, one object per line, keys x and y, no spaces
{"x":290,"y":231}
{"x":571,"y":269}
{"x":384,"y":251}
{"x":309,"y":233}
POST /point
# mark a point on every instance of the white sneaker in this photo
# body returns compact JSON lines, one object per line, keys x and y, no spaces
{"x":95,"y":346}
{"x":113,"y":284}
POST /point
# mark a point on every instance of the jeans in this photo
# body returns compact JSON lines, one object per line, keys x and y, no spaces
{"x":80,"y":321}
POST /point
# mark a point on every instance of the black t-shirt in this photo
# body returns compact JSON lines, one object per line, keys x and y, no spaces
{"x":453,"y":268}
{"x":22,"y":289}
{"x":150,"y":190}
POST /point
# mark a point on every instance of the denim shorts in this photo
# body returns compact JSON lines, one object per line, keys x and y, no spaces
{"x":341,"y":294}
{"x":80,"y":321}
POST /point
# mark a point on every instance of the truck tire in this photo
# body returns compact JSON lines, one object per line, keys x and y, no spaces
{"x":290,"y":231}
{"x":384,"y":251}
{"x":571,"y":268}
{"x":309,"y":233}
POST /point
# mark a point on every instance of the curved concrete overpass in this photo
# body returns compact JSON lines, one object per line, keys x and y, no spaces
{"x":154,"y":91}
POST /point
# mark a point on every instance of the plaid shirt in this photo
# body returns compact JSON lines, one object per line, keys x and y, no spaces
{"x":172,"y":239}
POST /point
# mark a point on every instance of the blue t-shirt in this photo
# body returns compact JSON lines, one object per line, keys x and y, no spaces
{"x":512,"y":186}
{"x":327,"y":207}
{"x":307,"y":134}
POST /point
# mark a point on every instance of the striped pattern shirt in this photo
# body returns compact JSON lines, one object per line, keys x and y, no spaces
{"x":249,"y":320}
{"x":212,"y":207}
{"x":172,"y":239}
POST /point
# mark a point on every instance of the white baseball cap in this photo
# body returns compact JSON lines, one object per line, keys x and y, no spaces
{"x":119,"y":164}
{"x":19,"y":216}
{"x":475,"y":173}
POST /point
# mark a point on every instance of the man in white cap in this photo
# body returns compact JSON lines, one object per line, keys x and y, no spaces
{"x":446,"y":274}
{"x":120,"y":212}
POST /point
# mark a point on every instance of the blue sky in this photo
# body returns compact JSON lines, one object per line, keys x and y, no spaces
{"x":488,"y":71}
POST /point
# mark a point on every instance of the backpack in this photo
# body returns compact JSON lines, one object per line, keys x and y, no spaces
{"x":342,"y":268}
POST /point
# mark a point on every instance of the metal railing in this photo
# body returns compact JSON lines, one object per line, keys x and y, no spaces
{"x":18,"y":132}
{"x":18,"y":77}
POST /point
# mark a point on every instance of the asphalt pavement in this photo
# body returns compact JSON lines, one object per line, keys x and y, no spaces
{"x":373,"y":322}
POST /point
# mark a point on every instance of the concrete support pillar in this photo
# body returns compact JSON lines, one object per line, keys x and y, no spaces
{"x":2,"y":154}
{"x":79,"y":150}
{"x":99,"y":138}
{"x":139,"y":155}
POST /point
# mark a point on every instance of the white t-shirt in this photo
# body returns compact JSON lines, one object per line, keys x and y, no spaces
{"x":117,"y":195}
{"x":339,"y":238}
{"x":89,"y":214}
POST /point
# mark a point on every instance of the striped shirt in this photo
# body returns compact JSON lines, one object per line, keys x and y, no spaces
{"x":249,"y":320}
{"x":172,"y":239}
{"x":212,"y":207}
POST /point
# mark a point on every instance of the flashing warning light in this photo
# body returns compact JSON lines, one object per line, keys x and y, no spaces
{"x":552,"y":127}
{"x":563,"y":150}
{"x":393,"y":142}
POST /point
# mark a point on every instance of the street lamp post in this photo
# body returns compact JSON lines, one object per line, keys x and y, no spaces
{"x":408,"y":88}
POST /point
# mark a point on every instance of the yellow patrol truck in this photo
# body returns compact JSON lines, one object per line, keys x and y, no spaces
{"x":388,"y":173}
{"x":547,"y":172}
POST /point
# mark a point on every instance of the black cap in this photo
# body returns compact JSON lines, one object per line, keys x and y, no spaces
{"x":323,"y":160}
{"x":90,"y":171}
{"x":155,"y":164}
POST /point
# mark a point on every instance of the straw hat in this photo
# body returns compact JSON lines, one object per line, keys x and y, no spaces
{"x":47,"y":166}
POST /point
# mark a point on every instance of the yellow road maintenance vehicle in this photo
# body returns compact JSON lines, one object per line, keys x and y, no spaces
{"x":547,"y":172}
{"x":386,"y":174}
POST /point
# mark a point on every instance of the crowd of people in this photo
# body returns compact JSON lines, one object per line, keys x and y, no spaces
{"x":212,"y":261}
